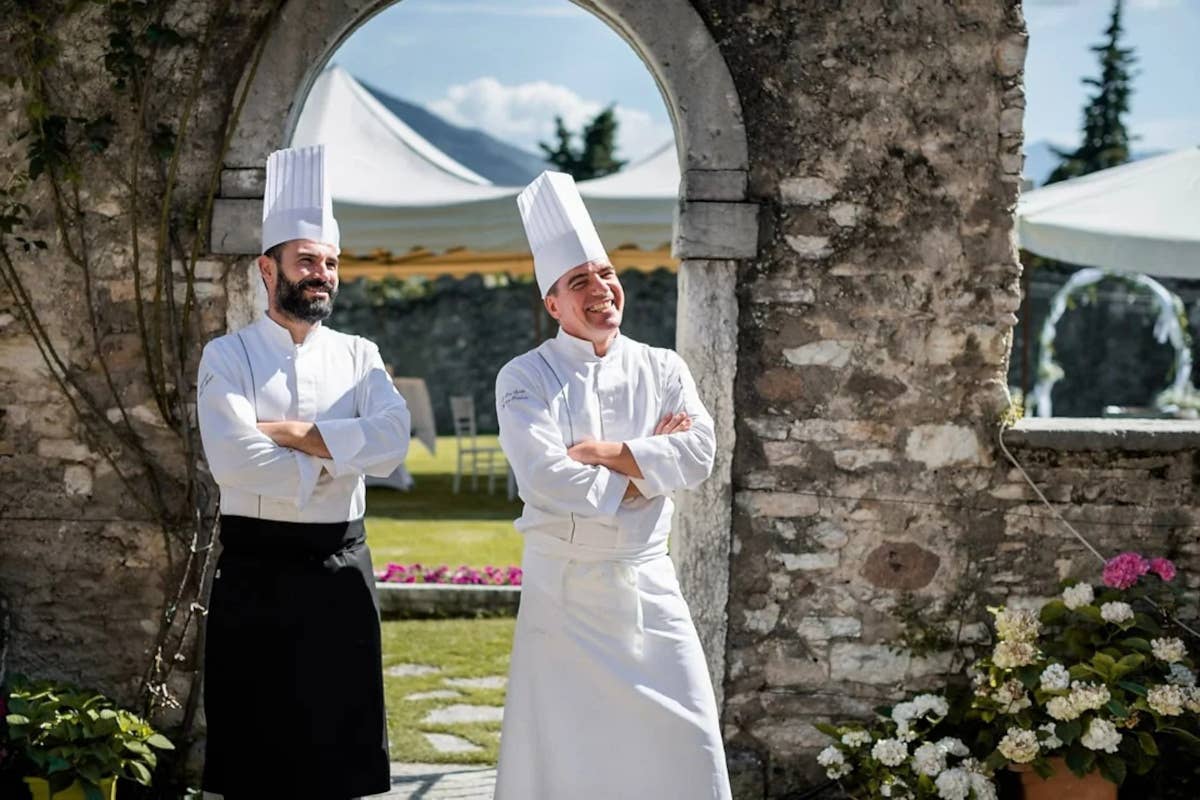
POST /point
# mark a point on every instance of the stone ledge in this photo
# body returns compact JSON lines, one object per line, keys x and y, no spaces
{"x":1105,"y":434}
{"x":442,"y":600}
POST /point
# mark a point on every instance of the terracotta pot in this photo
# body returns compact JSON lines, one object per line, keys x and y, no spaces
{"x":40,"y":789}
{"x":1064,"y":784}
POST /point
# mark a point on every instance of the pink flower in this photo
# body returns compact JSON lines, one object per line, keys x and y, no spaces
{"x":1123,"y":571}
{"x":1163,"y":568}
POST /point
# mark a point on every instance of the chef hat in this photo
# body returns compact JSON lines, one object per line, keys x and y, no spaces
{"x":297,"y":203}
{"x":560,"y":232}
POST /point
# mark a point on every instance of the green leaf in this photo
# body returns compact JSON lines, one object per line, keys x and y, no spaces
{"x":1068,"y":732}
{"x":1128,"y":664}
{"x":1136,"y":643}
{"x":1149,"y":746}
{"x":137,"y":747}
{"x":17,"y":719}
{"x":1117,"y":708}
{"x":140,"y":773}
{"x":160,"y":741}
{"x":1130,"y":686}
{"x":823,"y":727}
{"x":1090,"y":612}
{"x":1180,"y":733}
{"x":1053,"y":611}
{"x":1113,"y":768}
{"x":1078,"y":761}
{"x":1043,"y":769}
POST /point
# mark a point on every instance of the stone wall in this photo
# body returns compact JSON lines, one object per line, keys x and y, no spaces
{"x":875,"y":329}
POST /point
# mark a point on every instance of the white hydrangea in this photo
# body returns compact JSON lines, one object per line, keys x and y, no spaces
{"x":1019,"y":745}
{"x":982,"y":786}
{"x":952,"y":746}
{"x":1101,"y":735}
{"x":954,"y":784}
{"x":890,"y":752}
{"x":929,"y":759}
{"x":1062,"y":709}
{"x":1192,"y":699}
{"x":1011,"y":697}
{"x":834,"y":762}
{"x":1169,"y":650}
{"x":894,"y":787}
{"x":1116,"y":612}
{"x":1181,"y":676}
{"x":1051,"y":740}
{"x":1166,"y":700}
{"x":1017,"y":625}
{"x":1011,"y":654}
{"x":1088,"y":696}
{"x":1055,"y":678}
{"x":923,"y":706}
{"x":856,"y":738}
{"x":1078,"y":596}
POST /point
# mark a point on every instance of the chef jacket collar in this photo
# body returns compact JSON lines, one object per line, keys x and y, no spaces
{"x":584,"y":350}
{"x":281,"y":337}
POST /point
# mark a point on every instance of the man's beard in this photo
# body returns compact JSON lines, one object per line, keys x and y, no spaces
{"x":291,"y":300}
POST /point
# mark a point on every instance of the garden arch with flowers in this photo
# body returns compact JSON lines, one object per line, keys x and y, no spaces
{"x":716,"y":226}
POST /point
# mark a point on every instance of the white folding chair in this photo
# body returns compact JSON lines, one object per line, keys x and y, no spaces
{"x":470,"y":453}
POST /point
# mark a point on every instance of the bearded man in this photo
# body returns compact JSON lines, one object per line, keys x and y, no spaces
{"x":292,"y":416}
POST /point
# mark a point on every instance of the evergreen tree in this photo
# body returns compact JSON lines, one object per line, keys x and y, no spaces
{"x":1105,"y":140}
{"x":595,"y":158}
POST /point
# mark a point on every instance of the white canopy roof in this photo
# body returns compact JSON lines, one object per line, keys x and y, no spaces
{"x":394,"y":190}
{"x":1139,"y":217}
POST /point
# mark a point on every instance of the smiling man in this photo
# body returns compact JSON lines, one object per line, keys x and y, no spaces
{"x":608,"y":694}
{"x":292,"y":416}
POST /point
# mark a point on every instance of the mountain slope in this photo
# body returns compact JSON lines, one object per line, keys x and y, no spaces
{"x":499,"y":162}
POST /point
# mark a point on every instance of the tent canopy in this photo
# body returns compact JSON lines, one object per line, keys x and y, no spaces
{"x":394,"y":190}
{"x":1139,"y":217}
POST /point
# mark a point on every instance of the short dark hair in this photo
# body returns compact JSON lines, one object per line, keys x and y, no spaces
{"x":275,"y":253}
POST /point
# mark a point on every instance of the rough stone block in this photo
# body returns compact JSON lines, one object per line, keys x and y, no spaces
{"x":938,"y":446}
{"x":809,"y":561}
{"x":830,"y":353}
{"x":236,"y":227}
{"x":778,"y":504}
{"x":805,"y":191}
{"x":710,"y":230}
{"x":811,"y":247}
{"x":714,"y":184}
{"x":867,"y":663}
{"x":248,"y":182}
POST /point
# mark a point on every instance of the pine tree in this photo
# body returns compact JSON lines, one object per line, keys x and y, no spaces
{"x":1105,"y":139}
{"x":595,"y":158}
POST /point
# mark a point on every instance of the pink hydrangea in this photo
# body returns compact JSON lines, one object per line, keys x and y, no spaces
{"x":1163,"y":568}
{"x":1123,"y":571}
{"x":463,"y":575}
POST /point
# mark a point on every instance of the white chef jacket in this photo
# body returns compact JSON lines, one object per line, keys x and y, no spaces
{"x":258,"y":374}
{"x":562,"y":393}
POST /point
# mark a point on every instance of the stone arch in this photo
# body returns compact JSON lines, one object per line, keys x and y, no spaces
{"x":715,"y":225}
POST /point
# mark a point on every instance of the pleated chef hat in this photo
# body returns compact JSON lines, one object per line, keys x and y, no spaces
{"x":297,"y":203}
{"x":560,"y":232}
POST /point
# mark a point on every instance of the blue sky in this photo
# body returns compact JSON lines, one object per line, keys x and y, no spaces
{"x":507,"y":66}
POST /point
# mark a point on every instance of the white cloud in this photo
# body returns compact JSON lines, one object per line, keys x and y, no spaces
{"x":524,"y":114}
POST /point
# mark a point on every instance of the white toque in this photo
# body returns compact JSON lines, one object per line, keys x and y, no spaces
{"x":297,"y":203}
{"x":560,"y":232}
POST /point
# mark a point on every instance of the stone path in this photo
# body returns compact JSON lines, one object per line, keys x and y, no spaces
{"x":441,"y":782}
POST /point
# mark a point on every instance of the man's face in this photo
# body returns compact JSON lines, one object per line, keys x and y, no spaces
{"x":588,"y":301}
{"x":304,"y":283}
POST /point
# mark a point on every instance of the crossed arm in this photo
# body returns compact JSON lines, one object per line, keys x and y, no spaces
{"x":303,"y":436}
{"x":617,"y":456}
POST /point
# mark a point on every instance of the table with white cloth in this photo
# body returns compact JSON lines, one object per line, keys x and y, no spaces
{"x":424,"y":430}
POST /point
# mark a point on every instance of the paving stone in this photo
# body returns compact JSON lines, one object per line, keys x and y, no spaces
{"x":490,"y":682}
{"x":448,"y":743}
{"x":410,"y":670}
{"x":449,"y":715}
{"x":441,"y":782}
{"x":436,"y":694}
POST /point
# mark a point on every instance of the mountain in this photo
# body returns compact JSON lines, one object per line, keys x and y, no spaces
{"x":499,"y":162}
{"x":1040,"y":160}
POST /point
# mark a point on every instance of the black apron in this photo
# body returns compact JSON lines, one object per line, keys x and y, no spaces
{"x":293,"y":675}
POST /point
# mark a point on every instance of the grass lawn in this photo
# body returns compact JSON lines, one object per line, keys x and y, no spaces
{"x":458,"y":649}
{"x":431,"y":525}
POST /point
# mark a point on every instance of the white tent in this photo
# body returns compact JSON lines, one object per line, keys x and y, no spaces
{"x":1139,"y":217}
{"x":393,"y":190}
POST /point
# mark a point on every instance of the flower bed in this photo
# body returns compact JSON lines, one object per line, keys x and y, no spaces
{"x":463,"y":575}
